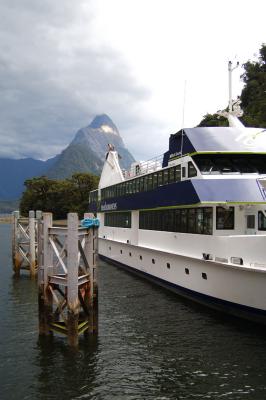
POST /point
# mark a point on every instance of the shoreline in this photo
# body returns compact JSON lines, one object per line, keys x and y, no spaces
{"x":7,"y":219}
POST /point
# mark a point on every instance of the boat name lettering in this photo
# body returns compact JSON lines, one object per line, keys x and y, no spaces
{"x":178,"y":153}
{"x":108,"y":207}
{"x":250,"y":139}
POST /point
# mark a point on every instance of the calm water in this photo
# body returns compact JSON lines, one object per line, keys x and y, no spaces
{"x":151,"y":345}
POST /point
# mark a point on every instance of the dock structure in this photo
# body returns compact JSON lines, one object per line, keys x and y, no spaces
{"x":67,"y":278}
{"x":24,"y":242}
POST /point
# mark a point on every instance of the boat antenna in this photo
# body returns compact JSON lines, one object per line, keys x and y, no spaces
{"x":230,"y":70}
{"x":234,"y":109}
{"x":183,"y":116}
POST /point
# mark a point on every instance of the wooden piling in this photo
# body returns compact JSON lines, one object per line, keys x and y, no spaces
{"x":24,"y":243}
{"x":15,"y":249}
{"x":45,"y":300}
{"x":67,"y":264}
{"x":32,"y":244}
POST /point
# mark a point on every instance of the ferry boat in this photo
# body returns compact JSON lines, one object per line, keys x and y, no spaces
{"x":194,"y":219}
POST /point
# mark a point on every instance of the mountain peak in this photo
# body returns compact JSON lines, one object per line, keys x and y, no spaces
{"x":104,"y":123}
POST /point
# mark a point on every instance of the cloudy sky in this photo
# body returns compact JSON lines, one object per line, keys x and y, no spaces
{"x":63,"y":62}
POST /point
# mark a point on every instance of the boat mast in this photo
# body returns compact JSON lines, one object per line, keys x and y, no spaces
{"x":234,"y":109}
{"x":230,"y":70}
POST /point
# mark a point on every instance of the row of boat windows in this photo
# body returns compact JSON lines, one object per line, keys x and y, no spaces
{"x":231,"y":163}
{"x":148,"y":182}
{"x":191,"y":220}
{"x":187,"y":220}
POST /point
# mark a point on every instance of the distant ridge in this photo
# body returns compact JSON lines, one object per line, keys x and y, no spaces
{"x":86,"y":153}
{"x":13,"y":173}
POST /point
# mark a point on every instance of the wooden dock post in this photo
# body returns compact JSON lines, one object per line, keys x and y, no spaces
{"x":91,"y":249}
{"x":32,"y":244}
{"x":15,"y":249}
{"x":24,"y":243}
{"x":66,"y":278}
{"x":72,"y":278}
{"x":45,"y":258}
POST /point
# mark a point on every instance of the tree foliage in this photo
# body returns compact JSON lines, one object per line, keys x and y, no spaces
{"x":58,"y":196}
{"x":253,"y":96}
{"x":213,"y":120}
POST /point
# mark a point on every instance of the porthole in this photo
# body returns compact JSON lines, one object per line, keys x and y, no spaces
{"x":121,"y":251}
{"x":168,"y":265}
{"x":130,"y":255}
{"x":204,"y":275}
{"x":187,"y":271}
{"x":153,"y":261}
{"x":109,"y":247}
{"x":140,"y":257}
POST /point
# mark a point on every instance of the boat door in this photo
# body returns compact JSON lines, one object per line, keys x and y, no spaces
{"x":250,"y":228}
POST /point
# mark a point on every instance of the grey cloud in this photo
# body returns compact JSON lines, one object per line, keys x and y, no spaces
{"x":53,"y":79}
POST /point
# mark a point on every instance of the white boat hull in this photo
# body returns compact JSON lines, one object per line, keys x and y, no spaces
{"x":237,"y":290}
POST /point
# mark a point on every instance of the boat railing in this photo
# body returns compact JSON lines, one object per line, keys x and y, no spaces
{"x":144,"y":167}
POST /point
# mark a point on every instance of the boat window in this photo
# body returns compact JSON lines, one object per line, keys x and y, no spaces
{"x":118,"y":219}
{"x":150,"y":181}
{"x":141,"y":185}
{"x":225,"y":165}
{"x":261,"y":221}
{"x":191,"y":220}
{"x":134,"y":186}
{"x":183,"y":172}
{"x":207,"y":221}
{"x":260,"y":163}
{"x":191,"y":170}
{"x":137,"y":185}
{"x":155,"y":180}
{"x":165,"y":177}
{"x":183,"y":220}
{"x":178,"y":173}
{"x":160,"y":178}
{"x":250,"y":221}
{"x":186,"y":220}
{"x":145,"y":183}
{"x":207,"y":166}
{"x":172,"y":175}
{"x":124,"y":188}
{"x":225,"y":218}
{"x":244,"y":165}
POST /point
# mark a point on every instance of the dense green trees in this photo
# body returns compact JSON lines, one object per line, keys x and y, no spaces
{"x":58,"y":196}
{"x":253,"y":96}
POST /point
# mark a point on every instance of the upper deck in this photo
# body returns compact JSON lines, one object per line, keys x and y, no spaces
{"x":197,"y":168}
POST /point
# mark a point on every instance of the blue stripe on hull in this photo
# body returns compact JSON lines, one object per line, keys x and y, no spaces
{"x":238,"y":310}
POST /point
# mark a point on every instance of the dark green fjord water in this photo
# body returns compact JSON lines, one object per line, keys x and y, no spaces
{"x":151,"y":345}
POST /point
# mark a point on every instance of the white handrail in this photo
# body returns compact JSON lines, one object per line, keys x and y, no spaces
{"x":144,"y":167}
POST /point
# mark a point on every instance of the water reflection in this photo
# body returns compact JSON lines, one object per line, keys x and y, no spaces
{"x":63,"y":371}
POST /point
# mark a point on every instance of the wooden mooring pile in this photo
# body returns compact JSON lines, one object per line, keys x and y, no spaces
{"x":24,"y":242}
{"x":65,"y":259}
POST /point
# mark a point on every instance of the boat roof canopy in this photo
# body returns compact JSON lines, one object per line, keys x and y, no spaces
{"x":216,"y":139}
